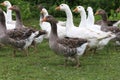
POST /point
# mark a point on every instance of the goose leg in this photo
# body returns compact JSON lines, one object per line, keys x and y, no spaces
{"x":25,"y":51}
{"x":77,"y":61}
{"x":14,"y":53}
{"x":66,"y":60}
{"x":35,"y":46}
{"x":94,"y":50}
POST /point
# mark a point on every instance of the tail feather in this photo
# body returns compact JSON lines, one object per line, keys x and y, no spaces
{"x":81,"y":49}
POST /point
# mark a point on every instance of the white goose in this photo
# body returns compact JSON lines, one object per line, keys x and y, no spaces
{"x":77,"y":32}
{"x":45,"y":13}
{"x":92,"y":27}
{"x":9,"y":22}
{"x":91,"y":19}
{"x":46,"y":26}
{"x":89,"y":22}
{"x":73,"y":31}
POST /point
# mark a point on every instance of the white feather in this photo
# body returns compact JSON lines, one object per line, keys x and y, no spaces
{"x":81,"y":49}
{"x":29,"y":40}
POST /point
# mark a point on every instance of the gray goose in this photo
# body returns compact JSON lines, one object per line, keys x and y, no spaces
{"x":104,"y":18}
{"x":21,"y":29}
{"x":105,"y":24}
{"x":68,"y":47}
{"x":19,"y":44}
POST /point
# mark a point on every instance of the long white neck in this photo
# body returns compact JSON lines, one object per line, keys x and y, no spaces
{"x":69,"y":22}
{"x":46,"y":13}
{"x":9,"y":13}
{"x":90,"y":19}
{"x":83,"y":19}
{"x":43,"y":15}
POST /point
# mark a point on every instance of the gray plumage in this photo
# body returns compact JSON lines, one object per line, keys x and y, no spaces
{"x":68,"y":47}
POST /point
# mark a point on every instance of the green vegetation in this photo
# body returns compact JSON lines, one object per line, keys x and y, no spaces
{"x":29,"y":7}
{"x":44,"y":64}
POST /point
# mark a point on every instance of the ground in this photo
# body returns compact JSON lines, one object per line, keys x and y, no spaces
{"x":44,"y":64}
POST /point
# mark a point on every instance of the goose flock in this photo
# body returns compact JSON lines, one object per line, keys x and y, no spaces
{"x":64,"y":37}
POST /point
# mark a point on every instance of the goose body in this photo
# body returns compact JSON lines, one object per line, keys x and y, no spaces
{"x":71,"y":47}
{"x":71,"y":30}
{"x":46,"y":26}
{"x":7,"y":40}
{"x":10,"y":24}
{"x":80,"y":32}
{"x":105,"y":20}
{"x":21,"y":28}
{"x":95,"y":28}
{"x":45,"y":13}
{"x":91,"y":19}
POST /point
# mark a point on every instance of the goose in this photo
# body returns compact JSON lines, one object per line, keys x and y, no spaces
{"x":90,"y":25}
{"x":46,"y":26}
{"x":71,"y":30}
{"x":45,"y":13}
{"x":9,"y":22}
{"x":19,"y":23}
{"x":91,"y":19}
{"x":21,"y":28}
{"x":77,"y":32}
{"x":105,"y":22}
{"x":19,"y":44}
{"x":104,"y":18}
{"x":69,"y":48}
{"x":89,"y":22}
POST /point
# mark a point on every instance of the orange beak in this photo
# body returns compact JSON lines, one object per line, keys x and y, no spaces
{"x":57,"y":8}
{"x":97,"y":13}
{"x":3,"y":4}
{"x":75,"y":10}
{"x":11,"y":8}
{"x":44,"y":20}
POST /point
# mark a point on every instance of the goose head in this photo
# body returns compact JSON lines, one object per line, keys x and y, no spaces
{"x":40,"y":7}
{"x":49,"y":19}
{"x":100,"y":12}
{"x":14,"y":8}
{"x":62,"y":7}
{"x":44,"y":12}
{"x":6,"y":3}
{"x":89,"y":9}
{"x":78,"y":9}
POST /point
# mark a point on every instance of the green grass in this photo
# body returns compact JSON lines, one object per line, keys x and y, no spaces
{"x":44,"y":64}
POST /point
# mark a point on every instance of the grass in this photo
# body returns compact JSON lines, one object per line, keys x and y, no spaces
{"x":45,"y":65}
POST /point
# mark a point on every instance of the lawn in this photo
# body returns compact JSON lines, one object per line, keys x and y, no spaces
{"x":43,"y":64}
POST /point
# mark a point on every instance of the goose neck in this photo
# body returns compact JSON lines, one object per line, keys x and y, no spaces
{"x":69,"y":22}
{"x":83,"y":19}
{"x":9,"y":13}
{"x":104,"y":17}
{"x":18,"y":19}
{"x":2,"y":22}
{"x":53,"y":33}
{"x":90,"y":17}
{"x":46,"y":14}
